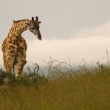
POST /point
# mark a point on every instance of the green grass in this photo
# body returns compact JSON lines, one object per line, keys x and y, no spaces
{"x":81,"y":89}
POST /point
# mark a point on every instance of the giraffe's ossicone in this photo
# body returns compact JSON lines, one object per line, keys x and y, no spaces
{"x":14,"y":46}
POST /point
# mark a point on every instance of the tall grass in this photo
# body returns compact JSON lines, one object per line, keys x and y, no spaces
{"x":63,"y":89}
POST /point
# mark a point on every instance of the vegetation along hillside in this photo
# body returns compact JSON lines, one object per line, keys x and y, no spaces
{"x":64,"y":88}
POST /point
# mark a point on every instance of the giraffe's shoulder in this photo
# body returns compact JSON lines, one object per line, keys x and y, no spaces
{"x":22,"y":43}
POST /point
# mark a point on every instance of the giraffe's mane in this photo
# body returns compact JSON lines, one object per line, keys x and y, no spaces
{"x":21,"y":20}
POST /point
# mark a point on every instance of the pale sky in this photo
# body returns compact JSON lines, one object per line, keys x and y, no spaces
{"x":70,"y":28}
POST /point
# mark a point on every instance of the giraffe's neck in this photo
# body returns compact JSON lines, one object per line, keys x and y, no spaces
{"x":18,"y":28}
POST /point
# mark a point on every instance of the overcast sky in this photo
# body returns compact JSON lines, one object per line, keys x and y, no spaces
{"x":70,"y":28}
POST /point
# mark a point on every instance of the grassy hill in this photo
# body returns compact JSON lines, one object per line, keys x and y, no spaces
{"x":81,"y":89}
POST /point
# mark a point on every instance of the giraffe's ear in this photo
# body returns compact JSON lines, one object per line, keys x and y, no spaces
{"x":29,"y":23}
{"x":39,"y":22}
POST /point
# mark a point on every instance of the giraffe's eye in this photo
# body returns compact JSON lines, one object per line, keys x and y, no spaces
{"x":32,"y":28}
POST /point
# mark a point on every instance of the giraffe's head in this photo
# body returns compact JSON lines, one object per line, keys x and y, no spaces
{"x":34,"y":27}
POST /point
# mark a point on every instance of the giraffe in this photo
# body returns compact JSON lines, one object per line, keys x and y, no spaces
{"x":14,"y":46}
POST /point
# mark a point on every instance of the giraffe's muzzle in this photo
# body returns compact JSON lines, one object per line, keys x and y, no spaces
{"x":39,"y":35}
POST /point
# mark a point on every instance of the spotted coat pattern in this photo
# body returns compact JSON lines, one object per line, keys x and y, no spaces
{"x":14,"y":47}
